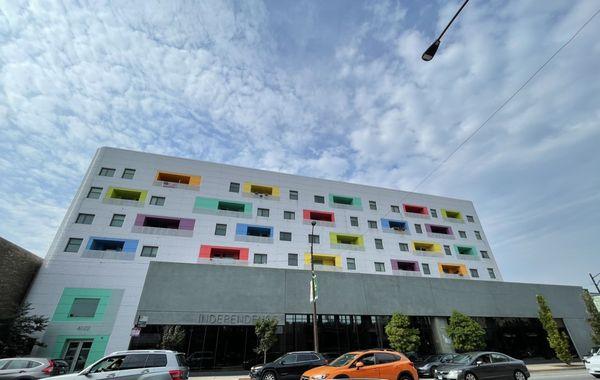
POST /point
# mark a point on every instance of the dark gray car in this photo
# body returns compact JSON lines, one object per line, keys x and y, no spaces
{"x":427,"y":367}
{"x":30,"y":368}
{"x":482,"y":366}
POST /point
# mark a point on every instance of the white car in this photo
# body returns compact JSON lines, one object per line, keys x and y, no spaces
{"x":593,"y":352}
{"x":593,"y":365}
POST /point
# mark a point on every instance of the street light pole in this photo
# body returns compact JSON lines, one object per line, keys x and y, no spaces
{"x":430,"y":52}
{"x":314,"y":287}
{"x":594,"y":281}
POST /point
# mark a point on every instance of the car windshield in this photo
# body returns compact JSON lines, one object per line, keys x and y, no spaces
{"x":342,"y":360}
{"x":463,"y":359}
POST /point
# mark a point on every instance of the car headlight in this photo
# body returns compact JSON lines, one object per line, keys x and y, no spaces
{"x":318,"y":377}
{"x":453,"y":374}
{"x":256,"y":368}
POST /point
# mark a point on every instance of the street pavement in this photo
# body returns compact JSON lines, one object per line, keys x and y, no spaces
{"x":574,"y":374}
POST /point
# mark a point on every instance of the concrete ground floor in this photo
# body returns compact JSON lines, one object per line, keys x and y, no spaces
{"x":218,"y":304}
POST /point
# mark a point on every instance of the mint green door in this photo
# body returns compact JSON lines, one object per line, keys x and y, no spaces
{"x":76,"y":353}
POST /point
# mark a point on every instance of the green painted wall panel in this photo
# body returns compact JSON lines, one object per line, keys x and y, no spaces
{"x":61,"y":314}
{"x":213,"y":203}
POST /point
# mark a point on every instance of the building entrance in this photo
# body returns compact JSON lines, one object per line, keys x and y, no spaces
{"x":75,"y":352}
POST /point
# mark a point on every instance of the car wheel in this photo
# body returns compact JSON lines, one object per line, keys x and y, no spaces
{"x":269,"y":375}
{"x":519,"y":375}
{"x":405,"y":376}
{"x":470,"y":376}
{"x":596,"y":376}
{"x":432,"y":371}
{"x":341,"y":377}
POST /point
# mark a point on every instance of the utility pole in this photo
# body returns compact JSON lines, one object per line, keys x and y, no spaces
{"x":595,"y":282}
{"x":313,"y":285}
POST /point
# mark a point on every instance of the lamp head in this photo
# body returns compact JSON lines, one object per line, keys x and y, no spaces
{"x":430,"y":52}
{"x":314,"y":223}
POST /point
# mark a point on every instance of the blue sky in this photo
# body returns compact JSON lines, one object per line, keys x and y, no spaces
{"x":332,"y":89}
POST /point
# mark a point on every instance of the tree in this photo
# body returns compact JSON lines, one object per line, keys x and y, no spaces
{"x":466,"y":334}
{"x":15,"y":335}
{"x":172,"y":338}
{"x":402,"y":337}
{"x":594,"y":316}
{"x":265,"y":332}
{"x":558,"y":340}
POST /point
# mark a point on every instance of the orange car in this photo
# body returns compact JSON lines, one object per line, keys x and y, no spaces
{"x":368,"y":364}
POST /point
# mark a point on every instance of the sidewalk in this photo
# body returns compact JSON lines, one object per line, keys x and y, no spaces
{"x":554,"y":367}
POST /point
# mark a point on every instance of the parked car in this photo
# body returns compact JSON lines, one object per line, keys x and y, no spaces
{"x":379,"y":364}
{"x":592,"y":364}
{"x":259,"y":359}
{"x":288,"y":367}
{"x":134,"y":365}
{"x":31,"y":368}
{"x":593,"y":352}
{"x":427,"y":367}
{"x":481,"y":366}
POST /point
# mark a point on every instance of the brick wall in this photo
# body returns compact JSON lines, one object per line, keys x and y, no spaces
{"x":17,"y":270}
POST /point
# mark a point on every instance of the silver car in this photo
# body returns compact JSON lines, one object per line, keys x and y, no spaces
{"x":135,"y":365}
{"x":30,"y":368}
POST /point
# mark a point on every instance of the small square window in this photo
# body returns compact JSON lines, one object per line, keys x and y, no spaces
{"x":426,"y":269}
{"x":395,"y":208}
{"x":491,"y":273}
{"x":470,"y":219}
{"x":447,"y":250}
{"x":234,"y":187}
{"x":477,"y":235}
{"x":117,"y":220}
{"x":313,"y":239}
{"x":221,"y":229}
{"x":157,"y":201}
{"x":262,"y":212}
{"x":474,"y":272}
{"x":418,"y":228}
{"x":289,"y":215}
{"x":84,"y":307}
{"x":94,"y":192}
{"x":372,"y":224}
{"x":293,"y":259}
{"x":379,"y":267}
{"x":285,"y":236}
{"x":84,"y":219}
{"x":294,"y":195}
{"x":73,"y":245}
{"x":260,"y":258}
{"x":403,"y":247}
{"x":149,"y":251}
{"x":319,"y":199}
{"x":373,"y":205}
{"x":433,"y":212}
{"x":107,"y":172}
{"x":485,"y":254}
{"x":378,"y":243}
{"x":354,"y":221}
{"x":462,"y":234}
{"x":128,"y":173}
{"x":351,"y":263}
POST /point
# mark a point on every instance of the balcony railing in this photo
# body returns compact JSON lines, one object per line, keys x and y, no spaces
{"x":454,"y":220}
{"x":411,"y":273}
{"x":162,"y":231}
{"x":223,"y":261}
{"x":415,"y":215}
{"x":254,"y":239}
{"x":175,"y":185}
{"x":261,"y":196}
{"x":428,"y":253}
{"x":322,"y":223}
{"x":123,"y":202}
{"x":397,"y":231}
{"x":107,"y":255}
{"x":467,"y":257}
{"x":351,"y":247}
{"x":325,"y":268}
{"x":453,"y":275}
{"x":345,"y":206}
{"x":234,"y":214}
{"x":440,"y":236}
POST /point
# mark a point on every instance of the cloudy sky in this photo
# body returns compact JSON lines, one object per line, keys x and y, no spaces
{"x":332,"y":89}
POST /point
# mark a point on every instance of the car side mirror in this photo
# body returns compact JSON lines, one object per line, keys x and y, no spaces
{"x":478,"y":363}
{"x":359,"y":365}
